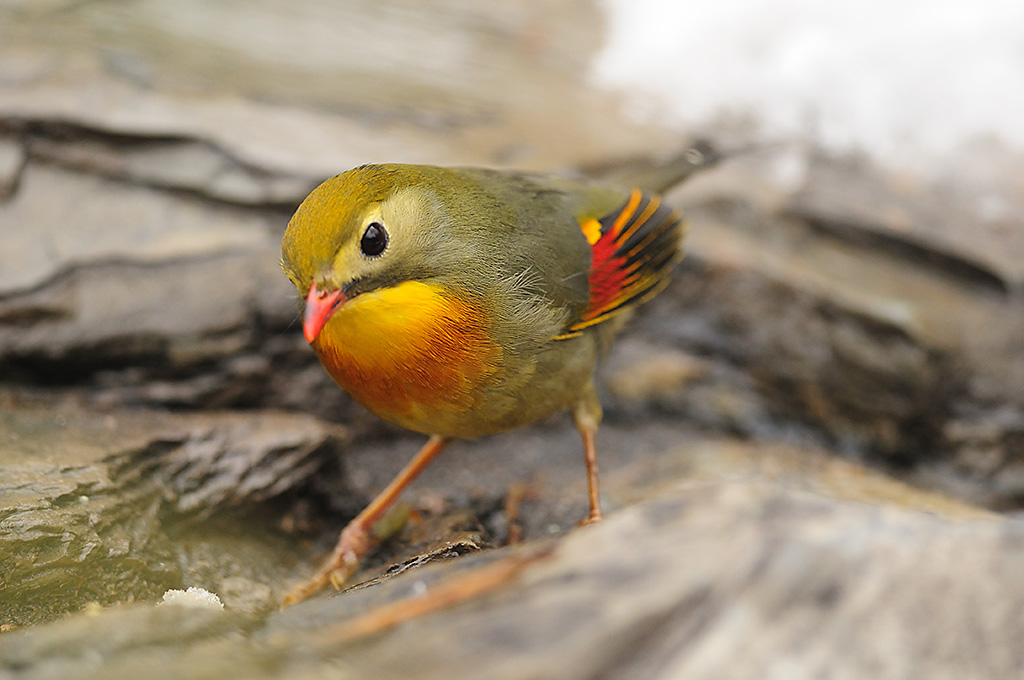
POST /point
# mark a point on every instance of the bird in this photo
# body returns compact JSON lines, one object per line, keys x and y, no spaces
{"x":461,"y":302}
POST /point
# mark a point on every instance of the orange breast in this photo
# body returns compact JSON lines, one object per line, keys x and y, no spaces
{"x":411,"y":354}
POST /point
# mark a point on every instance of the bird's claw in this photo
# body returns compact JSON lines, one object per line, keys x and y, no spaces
{"x":340,"y":576}
{"x":340,"y":566}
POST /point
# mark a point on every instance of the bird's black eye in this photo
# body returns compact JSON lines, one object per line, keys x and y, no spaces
{"x":374,"y":240}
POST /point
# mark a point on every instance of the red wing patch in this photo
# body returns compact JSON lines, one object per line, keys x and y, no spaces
{"x":634,"y":249}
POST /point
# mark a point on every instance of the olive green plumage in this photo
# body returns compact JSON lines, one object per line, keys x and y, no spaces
{"x":462,"y":302}
{"x":510,"y":242}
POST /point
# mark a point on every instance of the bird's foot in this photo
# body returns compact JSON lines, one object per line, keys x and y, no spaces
{"x":355,"y":542}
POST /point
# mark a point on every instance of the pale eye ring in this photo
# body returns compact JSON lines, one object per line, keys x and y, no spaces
{"x":374,"y":240}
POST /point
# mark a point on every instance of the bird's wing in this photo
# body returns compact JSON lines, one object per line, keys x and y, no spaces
{"x":633,"y":248}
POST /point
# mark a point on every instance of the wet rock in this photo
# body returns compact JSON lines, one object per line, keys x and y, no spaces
{"x":121,"y":506}
{"x":91,"y":639}
{"x":707,"y":580}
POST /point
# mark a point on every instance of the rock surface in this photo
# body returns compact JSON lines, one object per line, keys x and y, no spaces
{"x":93,"y":506}
{"x":835,"y":333}
{"x":738,"y":579}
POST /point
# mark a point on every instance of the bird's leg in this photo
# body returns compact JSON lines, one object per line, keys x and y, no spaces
{"x":587,"y":415}
{"x":356,"y":539}
{"x":590,"y":452}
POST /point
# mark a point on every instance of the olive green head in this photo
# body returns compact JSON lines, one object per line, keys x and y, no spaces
{"x":377,"y":226}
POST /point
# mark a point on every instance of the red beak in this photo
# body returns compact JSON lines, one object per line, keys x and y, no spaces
{"x":320,"y":305}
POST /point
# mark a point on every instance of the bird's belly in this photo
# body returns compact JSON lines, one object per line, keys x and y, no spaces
{"x":416,"y":401}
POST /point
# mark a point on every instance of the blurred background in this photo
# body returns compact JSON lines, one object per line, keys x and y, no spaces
{"x":853,"y":287}
{"x":923,"y":86}
{"x":152,"y":152}
{"x":916,"y":85}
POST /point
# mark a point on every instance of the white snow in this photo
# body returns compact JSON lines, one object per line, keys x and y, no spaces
{"x":910,"y":82}
{"x":193,"y":597}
